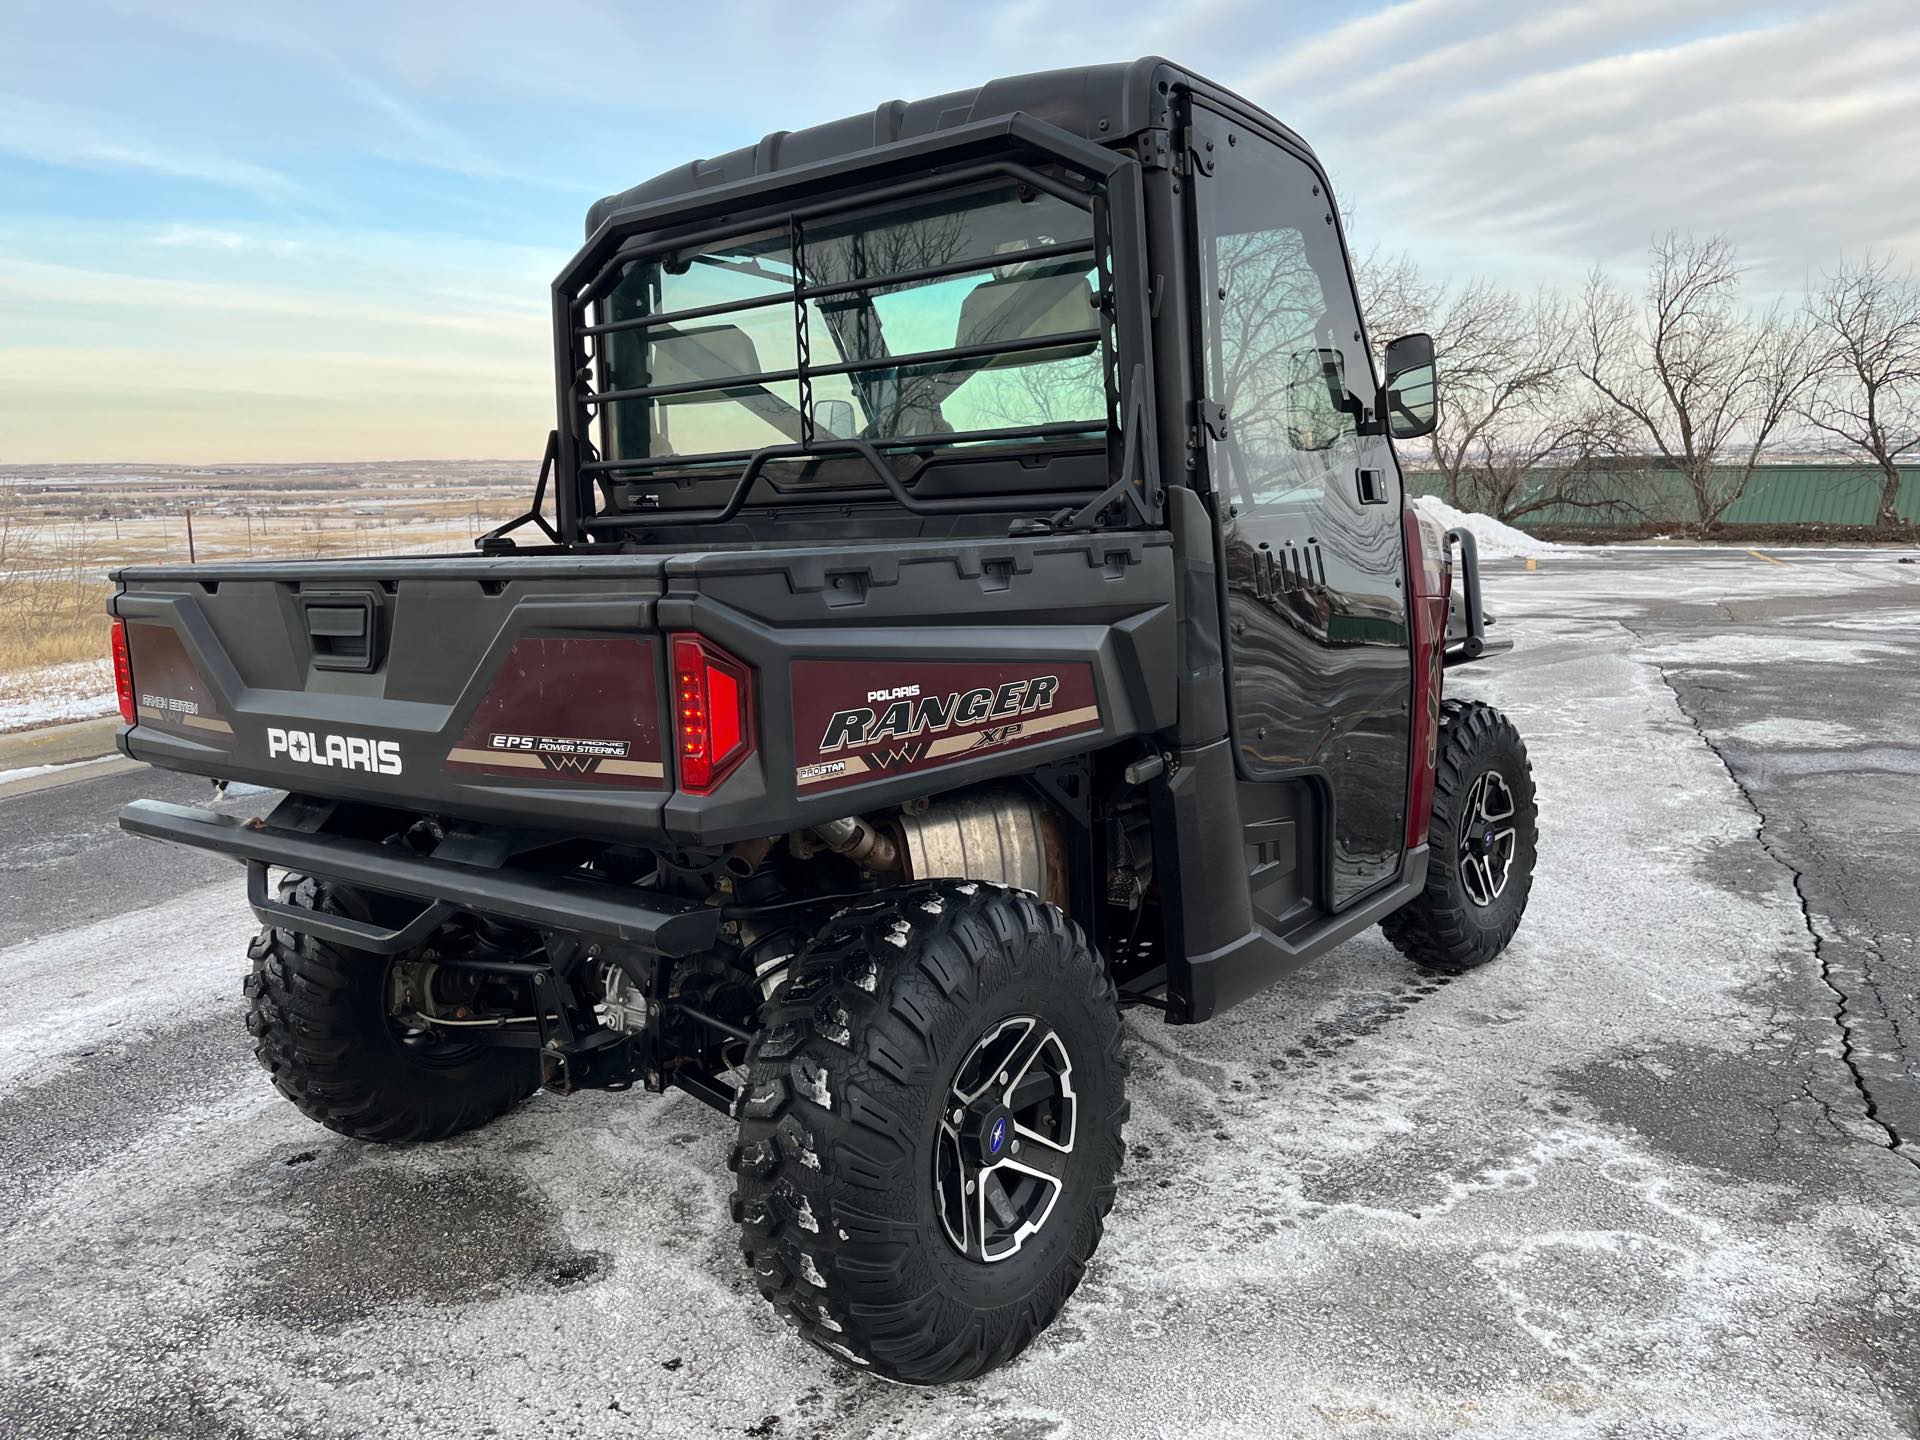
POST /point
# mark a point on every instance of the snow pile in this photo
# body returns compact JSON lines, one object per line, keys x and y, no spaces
{"x":52,"y":694}
{"x":28,"y":772}
{"x":1493,"y":537}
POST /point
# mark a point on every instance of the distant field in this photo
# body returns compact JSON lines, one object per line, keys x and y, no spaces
{"x":64,"y":527}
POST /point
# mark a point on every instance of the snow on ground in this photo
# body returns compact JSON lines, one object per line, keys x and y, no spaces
{"x":1493,"y":537}
{"x":1615,"y":1185}
{"x":55,"y":694}
{"x":28,"y":772}
{"x":1719,"y":652}
{"x":72,"y":991}
{"x":1787,"y":730}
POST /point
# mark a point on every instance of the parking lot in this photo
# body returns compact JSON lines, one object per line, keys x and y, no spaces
{"x":1639,"y":1178}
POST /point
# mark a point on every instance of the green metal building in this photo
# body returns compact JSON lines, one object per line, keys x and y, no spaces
{"x":1776,"y":495}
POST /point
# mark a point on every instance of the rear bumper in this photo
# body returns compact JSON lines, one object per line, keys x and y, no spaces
{"x":639,"y":919}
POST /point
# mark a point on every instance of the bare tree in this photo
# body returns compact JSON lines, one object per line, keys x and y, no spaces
{"x":1395,"y":297}
{"x":1690,"y":373}
{"x":1550,"y":457}
{"x":1490,"y":363}
{"x":1067,"y":388}
{"x":1516,"y":435}
{"x":1867,"y":322}
{"x":16,"y":537}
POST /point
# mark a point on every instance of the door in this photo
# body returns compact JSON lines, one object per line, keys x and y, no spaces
{"x":1308,"y":503}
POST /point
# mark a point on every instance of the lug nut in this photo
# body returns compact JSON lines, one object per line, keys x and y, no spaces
{"x":1003,"y":1077}
{"x":958,"y":1114}
{"x":970,"y":1187}
{"x":1015,"y":1147}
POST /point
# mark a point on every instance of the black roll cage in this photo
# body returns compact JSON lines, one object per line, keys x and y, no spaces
{"x":1007,"y":147}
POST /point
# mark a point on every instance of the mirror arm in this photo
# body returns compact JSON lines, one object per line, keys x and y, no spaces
{"x":1372,"y":420}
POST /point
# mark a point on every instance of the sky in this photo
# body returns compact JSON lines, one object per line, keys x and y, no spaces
{"x":265,"y":231}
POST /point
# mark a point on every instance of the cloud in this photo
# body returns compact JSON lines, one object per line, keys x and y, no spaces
{"x":76,"y":288}
{"x":419,"y":138}
{"x":199,"y":237}
{"x":402,"y":182}
{"x":91,"y":140}
{"x":1306,"y":65}
{"x":1534,"y":142}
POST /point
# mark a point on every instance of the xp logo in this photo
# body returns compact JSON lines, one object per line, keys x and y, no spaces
{"x":997,"y":1136}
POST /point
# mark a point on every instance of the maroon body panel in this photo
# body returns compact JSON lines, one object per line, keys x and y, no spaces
{"x":571,"y":709}
{"x":855,"y":720}
{"x":168,"y":690}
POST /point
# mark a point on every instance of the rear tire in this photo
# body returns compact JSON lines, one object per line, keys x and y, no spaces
{"x":1476,"y":891}
{"x":849,"y":1163}
{"x":318,"y":1016}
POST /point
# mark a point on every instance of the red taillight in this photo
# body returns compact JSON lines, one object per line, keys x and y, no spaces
{"x":712,"y":712}
{"x":123,"y":672}
{"x":1428,"y":584}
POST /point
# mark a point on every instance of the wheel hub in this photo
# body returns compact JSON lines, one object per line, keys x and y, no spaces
{"x":1005,"y":1139}
{"x":1487,"y":838}
{"x":987,"y":1134}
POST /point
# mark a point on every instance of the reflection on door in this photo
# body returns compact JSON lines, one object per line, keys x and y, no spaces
{"x":1310,"y":506}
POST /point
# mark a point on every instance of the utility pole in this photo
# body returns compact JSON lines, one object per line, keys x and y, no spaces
{"x":191,"y":557}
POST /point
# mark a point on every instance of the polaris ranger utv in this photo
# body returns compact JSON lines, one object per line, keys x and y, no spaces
{"x":977,"y":596}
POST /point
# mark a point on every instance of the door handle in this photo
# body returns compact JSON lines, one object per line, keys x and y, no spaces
{"x":1373,"y":486}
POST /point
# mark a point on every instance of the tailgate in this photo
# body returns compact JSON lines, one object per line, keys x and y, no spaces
{"x":520,"y":690}
{"x":529,"y":691}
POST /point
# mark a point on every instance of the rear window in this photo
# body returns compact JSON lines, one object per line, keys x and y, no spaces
{"x":966,"y":319}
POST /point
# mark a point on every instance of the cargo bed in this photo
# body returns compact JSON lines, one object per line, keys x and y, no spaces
{"x":531,"y":689}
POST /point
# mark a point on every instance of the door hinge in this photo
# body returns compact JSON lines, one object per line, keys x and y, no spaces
{"x":1156,"y":150}
{"x":1195,"y":158}
{"x":1210,"y":416}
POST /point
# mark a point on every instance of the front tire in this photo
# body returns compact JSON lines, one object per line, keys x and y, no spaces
{"x":1481,"y":847}
{"x":851,"y":1172}
{"x":318,"y":1014}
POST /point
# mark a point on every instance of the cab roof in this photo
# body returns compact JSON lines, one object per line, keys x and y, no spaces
{"x":1101,"y":103}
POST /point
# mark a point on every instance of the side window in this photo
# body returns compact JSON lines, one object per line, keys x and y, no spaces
{"x":1282,"y":335}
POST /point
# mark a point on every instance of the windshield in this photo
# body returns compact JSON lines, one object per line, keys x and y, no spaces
{"x":967,"y":318}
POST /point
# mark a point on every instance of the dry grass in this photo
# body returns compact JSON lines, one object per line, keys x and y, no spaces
{"x":60,"y":534}
{"x":34,"y":633}
{"x":52,"y":607}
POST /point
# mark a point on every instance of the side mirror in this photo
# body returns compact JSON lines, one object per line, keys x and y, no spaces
{"x":1313,"y":423}
{"x":1411,"y":404}
{"x":834,"y":419}
{"x":1333,"y":371}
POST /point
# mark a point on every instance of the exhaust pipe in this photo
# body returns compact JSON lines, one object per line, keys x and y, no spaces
{"x":859,"y":841}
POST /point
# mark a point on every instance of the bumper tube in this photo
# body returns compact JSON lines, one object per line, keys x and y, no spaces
{"x":660,"y":924}
{"x":1471,"y":643}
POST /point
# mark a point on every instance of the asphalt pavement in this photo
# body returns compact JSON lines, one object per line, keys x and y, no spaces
{"x":1652,"y":1174}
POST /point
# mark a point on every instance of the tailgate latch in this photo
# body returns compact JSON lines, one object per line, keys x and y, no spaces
{"x":340,"y":630}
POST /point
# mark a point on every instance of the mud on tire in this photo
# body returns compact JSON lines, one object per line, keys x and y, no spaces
{"x":1459,"y":921}
{"x":848,"y":1083}
{"x":318,"y":1016}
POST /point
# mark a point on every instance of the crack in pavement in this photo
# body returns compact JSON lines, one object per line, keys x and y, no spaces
{"x":1843,"y":1002}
